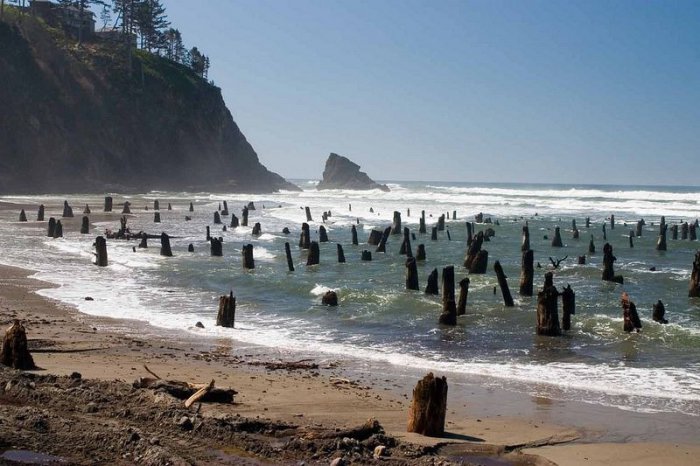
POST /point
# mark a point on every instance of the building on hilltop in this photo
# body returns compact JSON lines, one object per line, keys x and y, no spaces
{"x":74,"y":21}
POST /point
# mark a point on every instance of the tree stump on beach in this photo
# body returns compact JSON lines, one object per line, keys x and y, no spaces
{"x":396,"y":224}
{"x":629,"y":315}
{"x":165,"y":249}
{"x":314,"y":253}
{"x":288,"y":253}
{"x":375,"y":236}
{"x":433,"y":234}
{"x":658,"y":312}
{"x":144,"y":241}
{"x":694,"y":291}
{"x":15,"y":353}
{"x":58,"y":231}
{"x":382,"y":242}
{"x":85,"y":226}
{"x":257,"y":229}
{"x":420,"y":253}
{"x":208,"y":235}
{"x":527,"y":272}
{"x":156,"y":217}
{"x":684,"y":230}
{"x":638,"y":231}
{"x":156,"y":205}
{"x":100,"y":251}
{"x":547,"y":312}
{"x":51,"y":227}
{"x":366,"y":256}
{"x":449,"y":307}
{"x":226,"y":317}
{"x":568,"y":299}
{"x":244,"y":217}
{"x":40,"y":214}
{"x":428,"y":407}
{"x":67,"y":210}
{"x":108,"y":204}
{"x":341,"y":253}
{"x":661,"y":242}
{"x":479,"y":218}
{"x":308,"y":214}
{"x":631,"y":238}
{"x":234,"y":221}
{"x":126,"y":208}
{"x":591,"y":246}
{"x":503,"y":284}
{"x":674,"y":232}
{"x":224,"y":213}
{"x":463,"y":295}
{"x":608,"y":260}
{"x":612,"y":222}
{"x":411,"y":274}
{"x":605,"y":233}
{"x":581,"y":260}
{"x":473,"y":249}
{"x":216,"y":248}
{"x":322,"y":234}
{"x":248,"y":260}
{"x":432,"y":285}
{"x":470,"y":233}
{"x":22,"y":216}
{"x":191,"y":209}
{"x":329,"y":298}
{"x":441,"y":223}
{"x":421,"y":224}
{"x":217,"y":218}
{"x":305,"y":236}
{"x":353,"y":233}
{"x":588,"y":222}
{"x":170,"y":207}
{"x":480,"y":264}
{"x":525,"y":243}
{"x":556,"y":241}
{"x":405,"y":249}
{"x":692,"y":232}
{"x":190,"y":247}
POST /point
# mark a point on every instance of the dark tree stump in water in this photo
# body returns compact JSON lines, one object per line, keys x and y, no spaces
{"x":694,"y":291}
{"x":503,"y":284}
{"x":85,"y":226}
{"x":67,"y":210}
{"x":411,"y":274}
{"x":396,"y":224}
{"x":421,"y":224}
{"x":433,"y":234}
{"x":190,"y":248}
{"x":208,"y":236}
{"x":631,"y":239}
{"x":612,"y":222}
{"x":639,"y":229}
{"x":420,"y":253}
{"x":568,"y":299}
{"x":248,"y":260}
{"x":226,"y":316}
{"x":108,"y":204}
{"x":556,"y":241}
{"x":40,"y":214}
{"x":314,"y":253}
{"x":432,"y":286}
{"x":353,"y":232}
{"x":525,"y":243}
{"x":591,"y":246}
{"x":581,"y":260}
{"x":479,"y":218}
{"x":308,"y":214}
{"x":244,"y":217}
{"x":14,"y":352}
{"x":449,"y":237}
{"x":22,"y":216}
{"x":692,"y":236}
{"x":224,"y":213}
{"x":449,"y":307}
{"x":257,"y":229}
{"x":674,"y":232}
{"x":463,"y":295}
{"x":375,"y":237}
{"x":588,"y":222}
{"x":165,"y":245}
{"x":216,"y":247}
{"x":441,"y":223}
{"x":251,"y":205}
{"x":341,"y":253}
{"x":658,"y":312}
{"x":605,"y":233}
{"x":156,"y":217}
{"x":454,"y":215}
{"x":366,"y":255}
{"x":629,"y":315}
{"x":144,"y":242}
{"x":191,"y":207}
{"x":330,"y":298}
{"x":608,"y":260}
{"x":126,"y":209}
{"x":480,"y":264}
{"x":473,"y":250}
{"x":288,"y":253}
{"x":684,"y":230}
{"x":52,"y":227}
{"x":156,"y":205}
{"x":385,"y":237}
{"x":470,"y":232}
{"x":217,"y":218}
{"x":170,"y":207}
{"x":547,"y":313}
{"x":406,"y":243}
{"x":428,"y":407}
{"x":661,"y":242}
{"x":101,"y":251}
{"x":234,"y":221}
{"x":305,"y":236}
{"x":58,"y":231}
{"x":527,"y":272}
{"x":322,"y":234}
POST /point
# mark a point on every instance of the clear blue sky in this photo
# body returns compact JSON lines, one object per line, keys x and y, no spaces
{"x":488,"y":90}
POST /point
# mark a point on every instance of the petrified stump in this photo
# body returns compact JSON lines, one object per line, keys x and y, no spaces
{"x":556,"y":241}
{"x":629,"y":315}
{"x":612,"y":222}
{"x":581,"y":260}
{"x":684,"y":230}
{"x":547,"y":313}
{"x":322,"y":234}
{"x":473,"y":250}
{"x":396,"y":224}
{"x":216,"y":247}
{"x":217,"y":218}
{"x":411,"y":274}
{"x":406,"y":243}
{"x":420,"y":253}
{"x":591,"y":246}
{"x":314,"y":253}
{"x":382,"y":242}
{"x":126,"y":208}
{"x":658,"y":312}
{"x":694,"y":291}
{"x":674,"y":232}
{"x":85,"y":226}
{"x":156,"y":217}
{"x":144,"y":242}
{"x":248,"y":260}
{"x":432,"y":286}
{"x":224,"y":213}
{"x":366,"y":255}
{"x":503,"y":284}
{"x":108,"y":204}
{"x":421,"y":224}
{"x":244,"y":217}
{"x":251,"y":205}
{"x":470,"y":232}
{"x":208,"y":236}
{"x":226,"y":316}
{"x":454,"y":215}
{"x":480,"y":264}
{"x":661,"y":241}
{"x":441,"y":223}
{"x":257,"y":229}
{"x":608,"y":260}
{"x":568,"y":299}
{"x":14,"y":352}
{"x":288,"y":253}
{"x":190,"y":247}
{"x":631,"y":239}
{"x":329,"y":298}
{"x":692,"y":232}
{"x":639,"y":228}
{"x":170,"y":207}
{"x":156,"y":205}
{"x":58,"y":231}
{"x":375,"y":236}
{"x":165,"y":245}
{"x":449,"y":307}
{"x":40,"y":213}
{"x":605,"y":233}
{"x":101,"y":251}
{"x":308,"y":214}
{"x":433,"y":234}
{"x":341,"y":253}
{"x":588,"y":222}
{"x":234,"y":221}
{"x":449,"y":237}
{"x":463,"y":295}
{"x":527,"y":272}
{"x":479,"y":218}
{"x":22,"y":216}
{"x":353,"y":232}
{"x":305,"y":236}
{"x":191,"y":207}
{"x":67,"y":210}
{"x":428,"y":406}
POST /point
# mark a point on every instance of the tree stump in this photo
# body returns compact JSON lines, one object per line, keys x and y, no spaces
{"x":165,"y":245}
{"x":314,"y":253}
{"x":480,"y":264}
{"x":329,"y":298}
{"x":556,"y":241}
{"x":170,"y":207}
{"x":525,"y":243}
{"x":85,"y":226}
{"x":639,"y":229}
{"x":479,"y":218}
{"x":581,"y":260}
{"x":244,"y":217}
{"x":385,"y":237}
{"x":396,"y":224}
{"x":67,"y":210}
{"x":341,"y":253}
{"x":568,"y":299}
{"x":234,"y":221}
{"x":406,"y":243}
{"x":216,"y":247}
{"x":612,"y":222}
{"x":190,"y":247}
{"x":605,"y":233}
{"x":288,"y":253}
{"x":547,"y":313}
{"x":14,"y":352}
{"x":156,"y":205}
{"x":208,"y":236}
{"x":692,"y":232}
{"x":631,"y":239}
{"x":126,"y":208}
{"x":156,"y":217}
{"x":226,"y":317}
{"x":432,"y":286}
{"x":661,"y":242}
{"x":449,"y":237}
{"x":463,"y":295}
{"x":257,"y":229}
{"x":144,"y":241}
{"x":191,"y":207}
{"x":22,"y":216}
{"x":588,"y":222}
{"x":658,"y":312}
{"x":629,"y":315}
{"x":441,"y":223}
{"x":224,"y":213}
{"x":694,"y":291}
{"x":322,"y":234}
{"x":503,"y":284}
{"x":674,"y":232}
{"x":375,"y":237}
{"x":428,"y":407}
{"x":58,"y":231}
{"x":248,"y":261}
{"x":101,"y":251}
{"x":411,"y":274}
{"x":591,"y":246}
{"x":217,"y":218}
{"x":308,"y":214}
{"x":608,"y":260}
{"x":527,"y":272}
{"x":449,"y":307}
{"x":684,"y":230}
{"x":366,"y":255}
{"x":353,"y":232}
{"x":108,"y":204}
{"x":454,"y":215}
{"x":473,"y":249}
{"x":305,"y":237}
{"x":40,"y":214}
{"x":420,"y":253}
{"x":433,"y":234}
{"x":421,"y":224}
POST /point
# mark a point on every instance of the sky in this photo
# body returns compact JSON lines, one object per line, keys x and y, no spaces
{"x":595,"y":92}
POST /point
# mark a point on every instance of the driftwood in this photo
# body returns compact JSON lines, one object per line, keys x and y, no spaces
{"x":432,"y":286}
{"x":449,"y":307}
{"x":608,"y":260}
{"x":14,"y":351}
{"x":463,"y":295}
{"x":185,"y":390}
{"x":503,"y":284}
{"x":428,"y":406}
{"x":629,"y":315}
{"x":658,"y":312}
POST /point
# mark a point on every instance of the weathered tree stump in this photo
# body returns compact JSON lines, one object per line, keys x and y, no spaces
{"x":165,"y":249}
{"x":58,"y":231}
{"x":191,"y":207}
{"x":449,"y":237}
{"x":366,"y":255}
{"x":420,"y":253}
{"x":224,"y":213}
{"x":385,"y":237}
{"x":661,"y":241}
{"x":156,"y":217}
{"x":568,"y":299}
{"x":608,"y":260}
{"x":556,"y":241}
{"x":406,"y":243}
{"x":480,"y":264}
{"x":156,"y":205}
{"x":684,"y":230}
{"x":470,"y":232}
{"x":674,"y":232}
{"x":630,"y":316}
{"x":67,"y":210}
{"x":441,"y":223}
{"x":463,"y":295}
{"x":612,"y":222}
{"x":631,"y":238}
{"x":234,"y":221}
{"x":314,"y":253}
{"x":527,"y":272}
{"x":226,"y":317}
{"x":432,"y":286}
{"x":588,"y":222}
{"x":411,"y":274}
{"x":454,"y":215}
{"x":85,"y":226}
{"x":305,"y":236}
{"x":248,"y":260}
{"x":581,"y":260}
{"x":470,"y":261}
{"x":434,"y":234}
{"x":658,"y":312}
{"x":449,"y":307}
{"x":170,"y":207}
{"x":396,"y":224}
{"x":144,"y":242}
{"x":190,"y":248}
{"x":375,"y":237}
{"x":329,"y":298}
{"x":288,"y":253}
{"x":428,"y":407}
{"x":605,"y":233}
{"x":591,"y":246}
{"x":503,"y":284}
{"x":208,"y":236}
{"x":22,"y":216}
{"x":216,"y":248}
{"x":421,"y":224}
{"x":217,"y":218}
{"x":15,"y":352}
{"x":640,"y":226}
{"x":547,"y":312}
{"x":244,"y":217}
{"x":322,"y":234}
{"x":479,"y":218}
{"x":108,"y":204}
{"x":40,"y":214}
{"x":694,"y":291}
{"x":353,"y":232}
{"x":341,"y":253}
{"x":308,"y":214}
{"x":126,"y":208}
{"x":101,"y":251}
{"x":692,"y":232}
{"x":257,"y":229}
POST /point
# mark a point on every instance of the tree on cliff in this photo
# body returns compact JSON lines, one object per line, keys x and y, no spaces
{"x":199,"y":62}
{"x":151,"y":20}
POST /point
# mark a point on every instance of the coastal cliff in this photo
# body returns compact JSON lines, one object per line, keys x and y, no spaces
{"x":342,"y":173}
{"x":74,"y":119}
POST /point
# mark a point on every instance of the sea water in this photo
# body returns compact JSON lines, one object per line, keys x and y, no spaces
{"x":378,"y":320}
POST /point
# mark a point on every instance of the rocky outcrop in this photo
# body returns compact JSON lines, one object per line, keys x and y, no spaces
{"x":74,"y":119}
{"x":342,"y":173}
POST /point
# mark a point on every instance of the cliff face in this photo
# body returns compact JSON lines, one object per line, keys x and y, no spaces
{"x":342,"y":173}
{"x":74,"y":120}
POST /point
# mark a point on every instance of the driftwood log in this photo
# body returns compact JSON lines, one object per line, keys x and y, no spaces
{"x":185,"y":391}
{"x":226,"y":317}
{"x":428,"y":406}
{"x":15,"y":352}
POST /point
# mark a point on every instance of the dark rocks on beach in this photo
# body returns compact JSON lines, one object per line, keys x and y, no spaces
{"x":341,"y":173}
{"x":87,"y":210}
{"x":170,"y":207}
{"x":101,"y":251}
{"x":226,"y":316}
{"x":631,"y":238}
{"x":428,"y":407}
{"x":658,"y":312}
{"x":639,"y":229}
{"x":15,"y":352}
{"x":330,"y":298}
{"x":692,"y":233}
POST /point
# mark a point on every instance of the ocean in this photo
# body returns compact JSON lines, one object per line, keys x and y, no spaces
{"x":378,"y":320}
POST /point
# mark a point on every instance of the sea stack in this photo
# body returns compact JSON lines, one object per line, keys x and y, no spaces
{"x":342,"y":173}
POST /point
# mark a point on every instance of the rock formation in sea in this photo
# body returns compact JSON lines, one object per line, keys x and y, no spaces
{"x":74,"y":119}
{"x":342,"y":173}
